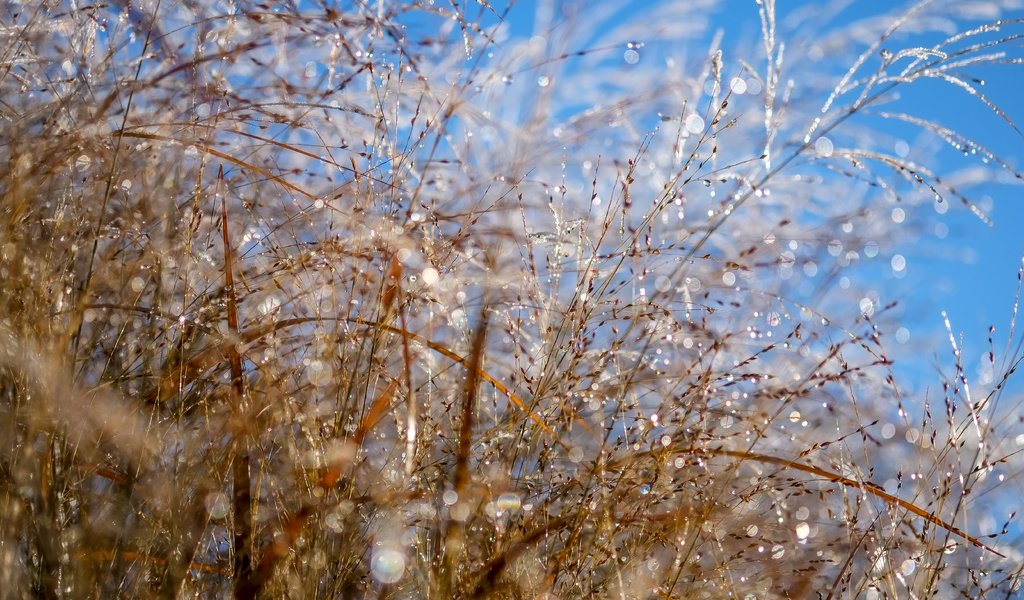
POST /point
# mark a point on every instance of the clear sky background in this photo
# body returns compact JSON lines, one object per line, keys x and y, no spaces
{"x":973,"y":277}
{"x":971,"y":272}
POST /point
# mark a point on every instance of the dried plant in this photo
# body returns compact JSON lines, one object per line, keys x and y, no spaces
{"x":321,"y":300}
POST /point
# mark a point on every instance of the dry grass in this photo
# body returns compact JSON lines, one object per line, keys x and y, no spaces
{"x":381,"y":299}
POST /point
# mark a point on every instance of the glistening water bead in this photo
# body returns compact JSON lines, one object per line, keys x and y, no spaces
{"x":632,"y":54}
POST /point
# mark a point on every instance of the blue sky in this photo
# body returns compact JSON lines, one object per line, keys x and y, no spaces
{"x":974,"y":276}
{"x":965,"y":266}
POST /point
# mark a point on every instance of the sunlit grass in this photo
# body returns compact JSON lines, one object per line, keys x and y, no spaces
{"x":391,"y":301}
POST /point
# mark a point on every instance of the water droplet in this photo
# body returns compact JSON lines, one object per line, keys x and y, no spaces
{"x":778,"y":551}
{"x":318,"y":373}
{"x":508,"y":502}
{"x":387,"y":565}
{"x":803,"y":530}
{"x":430,"y":276}
{"x":867,"y":307}
{"x":695,"y":125}
{"x":217,"y":505}
{"x":543,"y":81}
{"x":631,"y":56}
{"x":823,"y":147}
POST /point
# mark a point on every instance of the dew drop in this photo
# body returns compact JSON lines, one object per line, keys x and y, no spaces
{"x":867,"y":307}
{"x":387,"y":565}
{"x":803,"y":530}
{"x":823,"y":147}
{"x":217,"y":505}
{"x":508,"y":502}
{"x":695,"y":125}
{"x":269,"y":304}
{"x":318,"y":373}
